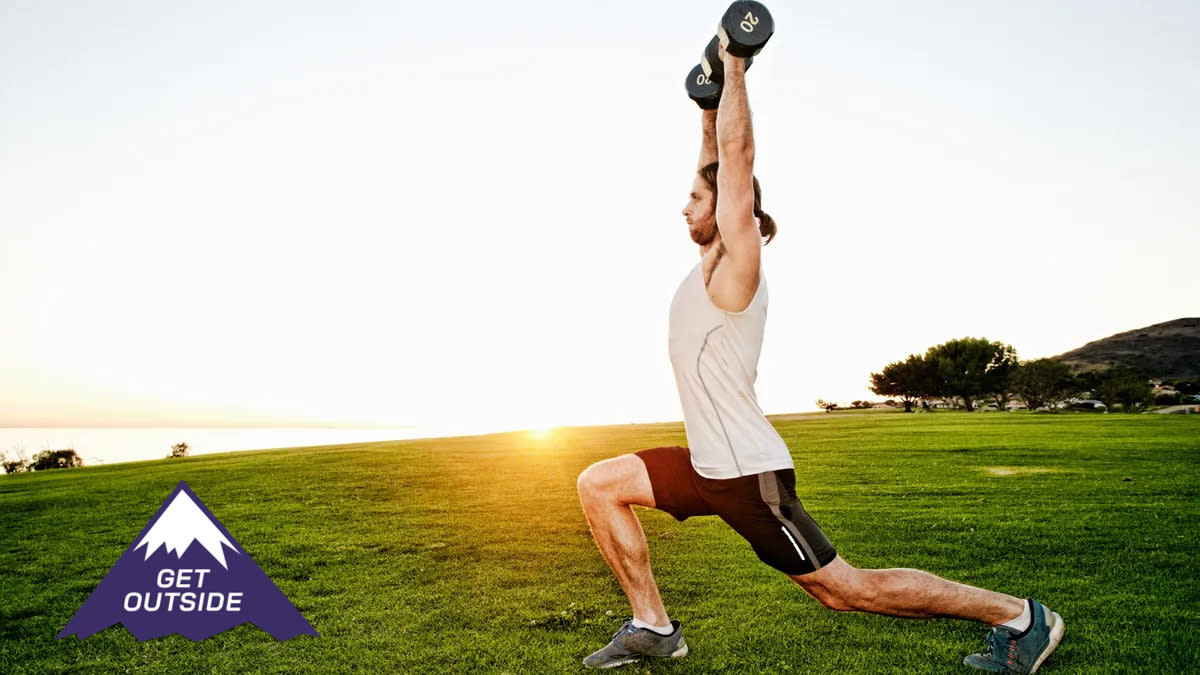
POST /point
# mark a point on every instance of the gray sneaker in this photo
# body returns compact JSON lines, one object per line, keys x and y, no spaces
{"x":1014,"y":652}
{"x":632,"y":643}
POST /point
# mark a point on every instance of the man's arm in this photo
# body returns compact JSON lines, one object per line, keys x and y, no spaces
{"x":708,"y":141}
{"x":735,"y":188}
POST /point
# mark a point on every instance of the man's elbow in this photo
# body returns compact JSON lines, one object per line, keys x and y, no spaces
{"x":739,"y":150}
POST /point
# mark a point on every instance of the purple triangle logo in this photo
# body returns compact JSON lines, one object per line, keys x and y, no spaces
{"x":186,"y":574}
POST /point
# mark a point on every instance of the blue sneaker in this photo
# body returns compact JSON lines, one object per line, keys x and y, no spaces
{"x":1010,"y":651}
{"x":632,"y":643}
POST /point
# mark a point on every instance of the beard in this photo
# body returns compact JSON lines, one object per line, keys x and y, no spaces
{"x":705,"y":232}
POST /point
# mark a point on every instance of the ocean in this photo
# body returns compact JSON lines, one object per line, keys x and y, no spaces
{"x":112,"y":445}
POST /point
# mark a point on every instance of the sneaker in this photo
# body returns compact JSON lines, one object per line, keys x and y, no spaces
{"x":632,"y":643}
{"x":1017,"y":652}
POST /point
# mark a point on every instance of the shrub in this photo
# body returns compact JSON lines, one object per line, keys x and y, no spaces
{"x":826,"y":405}
{"x":18,"y":465}
{"x":56,"y":459}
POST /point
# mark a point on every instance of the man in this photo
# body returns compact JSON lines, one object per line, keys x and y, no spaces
{"x":738,"y":467}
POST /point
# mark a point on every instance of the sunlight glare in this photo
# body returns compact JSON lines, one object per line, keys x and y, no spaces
{"x":541,"y":433}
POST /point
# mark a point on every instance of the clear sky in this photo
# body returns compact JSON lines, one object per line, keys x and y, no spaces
{"x":373,"y":212}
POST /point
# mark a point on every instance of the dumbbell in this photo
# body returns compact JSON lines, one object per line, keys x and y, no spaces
{"x":745,"y":28}
{"x":713,"y":66}
{"x":743,"y":31}
{"x":705,"y":80}
{"x":702,"y":90}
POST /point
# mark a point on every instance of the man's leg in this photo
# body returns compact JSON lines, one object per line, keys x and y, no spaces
{"x":607,"y":491}
{"x":905,"y":592}
{"x":921,"y":595}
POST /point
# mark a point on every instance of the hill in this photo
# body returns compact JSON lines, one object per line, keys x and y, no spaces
{"x":1169,"y":350}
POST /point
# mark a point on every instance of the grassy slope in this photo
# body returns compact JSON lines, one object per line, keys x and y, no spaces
{"x":461,"y":555}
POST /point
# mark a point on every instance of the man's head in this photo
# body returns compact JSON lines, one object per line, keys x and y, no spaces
{"x":701,"y":209}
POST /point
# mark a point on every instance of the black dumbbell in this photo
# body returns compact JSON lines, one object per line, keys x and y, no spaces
{"x":745,"y":28}
{"x":702,"y":90}
{"x":713,"y":66}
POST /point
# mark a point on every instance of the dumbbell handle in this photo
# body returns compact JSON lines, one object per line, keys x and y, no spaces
{"x":712,"y":63}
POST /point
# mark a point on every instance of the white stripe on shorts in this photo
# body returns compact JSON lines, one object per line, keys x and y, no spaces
{"x":793,"y":540}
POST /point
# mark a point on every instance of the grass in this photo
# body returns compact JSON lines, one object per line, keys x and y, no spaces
{"x":472,"y":554}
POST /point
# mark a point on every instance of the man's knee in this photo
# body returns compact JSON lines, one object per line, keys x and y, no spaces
{"x":591,"y":483}
{"x":598,"y":482}
{"x":834,"y":598}
{"x":621,"y":479}
{"x":850,"y":590}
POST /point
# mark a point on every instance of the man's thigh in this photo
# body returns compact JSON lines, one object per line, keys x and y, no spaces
{"x":674,"y":482}
{"x":766,"y":512}
{"x":623,"y":478}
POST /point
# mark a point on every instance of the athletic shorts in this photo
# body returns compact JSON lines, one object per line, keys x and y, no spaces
{"x":761,"y":507}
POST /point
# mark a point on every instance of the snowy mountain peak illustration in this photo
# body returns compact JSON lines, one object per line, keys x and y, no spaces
{"x":183,"y":591}
{"x":181,"y":524}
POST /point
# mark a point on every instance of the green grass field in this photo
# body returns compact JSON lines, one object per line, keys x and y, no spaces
{"x":472,"y":554}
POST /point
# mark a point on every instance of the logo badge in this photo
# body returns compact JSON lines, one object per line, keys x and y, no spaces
{"x":186,"y":574}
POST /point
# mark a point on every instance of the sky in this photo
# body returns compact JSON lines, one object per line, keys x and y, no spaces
{"x":370,"y":213}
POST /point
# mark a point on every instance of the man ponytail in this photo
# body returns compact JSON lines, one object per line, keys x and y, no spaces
{"x":766,"y":226}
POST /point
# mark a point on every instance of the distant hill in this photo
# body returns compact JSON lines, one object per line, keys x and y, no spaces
{"x":1168,"y":350}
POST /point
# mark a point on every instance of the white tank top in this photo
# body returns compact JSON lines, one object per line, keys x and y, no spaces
{"x":715,"y":357}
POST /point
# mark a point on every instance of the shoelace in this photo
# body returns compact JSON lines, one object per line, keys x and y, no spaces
{"x":622,"y":629}
{"x":1001,"y":646}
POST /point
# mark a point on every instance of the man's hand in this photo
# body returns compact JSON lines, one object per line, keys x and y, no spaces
{"x":729,"y":60}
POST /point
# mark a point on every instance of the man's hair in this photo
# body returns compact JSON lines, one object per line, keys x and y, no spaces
{"x":766,"y":224}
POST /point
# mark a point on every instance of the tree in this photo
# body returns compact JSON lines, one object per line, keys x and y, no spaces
{"x":826,"y":406}
{"x":1041,"y":382}
{"x":999,"y":373}
{"x":19,"y":464}
{"x":1086,"y":384}
{"x":910,"y":379}
{"x":1001,"y":398}
{"x":972,"y":367}
{"x":179,"y":450}
{"x":56,"y":459}
{"x":1128,"y":387}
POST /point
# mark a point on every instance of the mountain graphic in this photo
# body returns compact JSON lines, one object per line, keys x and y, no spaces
{"x":181,"y":524}
{"x":151,"y":602}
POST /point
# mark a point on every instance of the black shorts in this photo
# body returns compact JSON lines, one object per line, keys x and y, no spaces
{"x":761,"y":507}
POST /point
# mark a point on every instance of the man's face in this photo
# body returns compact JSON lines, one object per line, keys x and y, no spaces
{"x":701,"y":213}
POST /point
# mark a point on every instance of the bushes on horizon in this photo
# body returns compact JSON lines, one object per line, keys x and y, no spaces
{"x":56,"y":459}
{"x":179,"y":450}
{"x":18,"y":465}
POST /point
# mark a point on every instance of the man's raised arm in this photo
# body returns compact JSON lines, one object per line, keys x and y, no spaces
{"x":708,"y":141}
{"x":735,"y":177}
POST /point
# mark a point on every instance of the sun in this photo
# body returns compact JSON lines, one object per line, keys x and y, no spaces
{"x":541,"y":433}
